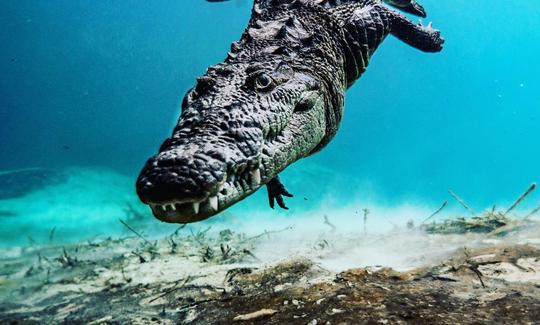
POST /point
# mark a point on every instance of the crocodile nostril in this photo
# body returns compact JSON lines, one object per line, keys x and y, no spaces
{"x":180,"y":175}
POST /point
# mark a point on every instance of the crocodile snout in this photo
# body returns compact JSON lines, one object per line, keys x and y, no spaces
{"x":182,"y":183}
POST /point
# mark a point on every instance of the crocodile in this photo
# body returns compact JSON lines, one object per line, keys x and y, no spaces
{"x":277,"y":97}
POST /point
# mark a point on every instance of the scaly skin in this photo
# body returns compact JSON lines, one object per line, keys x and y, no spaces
{"x":278,"y":97}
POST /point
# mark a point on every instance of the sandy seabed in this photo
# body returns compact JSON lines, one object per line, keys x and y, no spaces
{"x":201,"y":276}
{"x":327,"y":266}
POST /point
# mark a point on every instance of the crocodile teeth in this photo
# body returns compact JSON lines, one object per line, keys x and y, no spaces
{"x":213,"y":202}
{"x":420,"y":22}
{"x":429,"y":25}
{"x":256,"y":175}
{"x":196,"y":206}
{"x":173,"y":207}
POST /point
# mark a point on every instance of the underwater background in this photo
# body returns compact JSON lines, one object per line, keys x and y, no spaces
{"x":90,"y":89}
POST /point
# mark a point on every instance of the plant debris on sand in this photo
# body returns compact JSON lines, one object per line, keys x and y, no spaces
{"x":492,"y":222}
{"x":191,"y":277}
{"x":204,"y":277}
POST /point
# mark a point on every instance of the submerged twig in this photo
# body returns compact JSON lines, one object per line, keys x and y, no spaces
{"x":248,"y":252}
{"x":200,"y":235}
{"x":266,"y":233}
{"x":460,"y":201}
{"x":31,"y":240}
{"x":521,"y":198}
{"x":328,"y":223}
{"x":473,"y":266}
{"x":436,"y":212}
{"x":134,"y":231}
{"x":175,"y":233}
{"x":48,"y":278}
{"x":65,"y":259}
{"x":141,"y":258}
{"x":225,"y":250}
{"x":51,"y":234}
{"x":533,"y":212}
{"x":366,"y":213}
{"x":174,"y":288}
{"x":173,"y":245}
{"x":196,"y":303}
{"x":476,"y":271}
{"x":208,"y":254}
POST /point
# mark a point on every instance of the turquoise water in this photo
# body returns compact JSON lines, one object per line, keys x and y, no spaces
{"x":90,"y":89}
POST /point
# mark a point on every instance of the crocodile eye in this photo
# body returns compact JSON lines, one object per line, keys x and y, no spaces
{"x":263,"y":82}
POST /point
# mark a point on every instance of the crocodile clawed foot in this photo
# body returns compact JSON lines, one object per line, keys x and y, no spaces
{"x":432,"y":40}
{"x":276,"y":192}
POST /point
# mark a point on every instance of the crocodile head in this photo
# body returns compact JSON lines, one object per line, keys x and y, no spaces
{"x":240,"y":126}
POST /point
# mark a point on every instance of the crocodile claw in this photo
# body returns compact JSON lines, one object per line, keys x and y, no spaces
{"x":276,"y":192}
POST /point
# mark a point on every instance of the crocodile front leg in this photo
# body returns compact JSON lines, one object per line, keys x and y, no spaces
{"x":368,"y":26}
{"x":276,"y":191}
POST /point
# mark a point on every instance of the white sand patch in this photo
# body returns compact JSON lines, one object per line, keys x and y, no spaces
{"x":526,"y":270}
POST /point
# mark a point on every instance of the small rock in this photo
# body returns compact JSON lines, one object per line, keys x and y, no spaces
{"x":255,"y":315}
{"x":483,"y":258}
{"x":336,"y":311}
{"x":191,"y":315}
{"x":279,"y":287}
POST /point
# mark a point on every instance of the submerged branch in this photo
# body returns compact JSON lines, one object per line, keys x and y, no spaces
{"x":175,"y":233}
{"x":134,"y":231}
{"x":267,"y":233}
{"x":174,"y":288}
{"x":436,"y":212}
{"x":521,"y":198}
{"x":533,"y":212}
{"x":199,"y":236}
{"x":460,"y":201}
{"x":51,"y":235}
{"x":328,"y":223}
